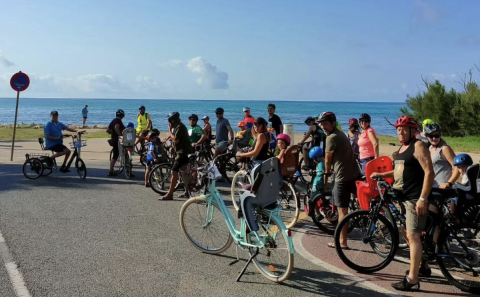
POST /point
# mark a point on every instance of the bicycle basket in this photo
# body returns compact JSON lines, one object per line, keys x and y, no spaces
{"x":213,"y":172}
{"x":78,"y":144}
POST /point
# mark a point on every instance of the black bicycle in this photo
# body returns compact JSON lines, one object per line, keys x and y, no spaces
{"x":373,"y":242}
{"x":42,"y":164}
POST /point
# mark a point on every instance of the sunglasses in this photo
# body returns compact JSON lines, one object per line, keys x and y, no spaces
{"x":434,"y":136}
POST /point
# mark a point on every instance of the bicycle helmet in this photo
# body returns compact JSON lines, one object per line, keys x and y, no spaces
{"x":427,"y":121}
{"x":219,"y":110}
{"x":327,"y":116}
{"x":431,"y":128}
{"x":130,"y":125}
{"x":352,"y":122}
{"x":249,"y":124}
{"x":151,"y":135}
{"x":246,"y":109}
{"x":315,"y":152}
{"x":462,"y":159}
{"x":156,"y":131}
{"x":141,"y":108}
{"x":309,"y":119}
{"x":120,"y":113}
{"x":205,"y":118}
{"x":193,"y":116}
{"x":406,"y":121}
{"x":285,"y":138}
{"x":174,"y":115}
{"x":365,"y":117}
{"x":241,"y":124}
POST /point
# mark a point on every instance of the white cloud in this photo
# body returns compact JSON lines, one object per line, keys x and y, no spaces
{"x":4,"y":61}
{"x":174,"y":63}
{"x":147,"y":84}
{"x":210,"y":76}
{"x":92,"y":83}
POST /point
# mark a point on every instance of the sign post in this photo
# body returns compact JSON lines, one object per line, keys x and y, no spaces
{"x":19,"y":82}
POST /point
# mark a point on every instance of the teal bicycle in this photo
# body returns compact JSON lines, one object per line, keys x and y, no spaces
{"x":262,"y":231}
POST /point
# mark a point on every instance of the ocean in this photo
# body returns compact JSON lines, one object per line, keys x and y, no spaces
{"x":102,"y":111}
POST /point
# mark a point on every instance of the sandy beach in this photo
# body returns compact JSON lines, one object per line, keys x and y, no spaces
{"x":98,"y":150}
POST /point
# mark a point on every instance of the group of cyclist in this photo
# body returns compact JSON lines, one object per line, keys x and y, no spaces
{"x":423,"y":161}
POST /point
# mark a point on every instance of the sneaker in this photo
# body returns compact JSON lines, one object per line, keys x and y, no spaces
{"x":405,"y":285}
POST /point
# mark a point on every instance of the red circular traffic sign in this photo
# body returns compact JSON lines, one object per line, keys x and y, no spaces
{"x":19,"y":82}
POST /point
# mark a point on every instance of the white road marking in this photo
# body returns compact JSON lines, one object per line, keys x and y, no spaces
{"x":15,"y":275}
{"x":297,"y":242}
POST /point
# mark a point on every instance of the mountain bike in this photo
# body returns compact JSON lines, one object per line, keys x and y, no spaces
{"x":374,"y":240}
{"x":262,"y":231}
{"x":41,"y":164}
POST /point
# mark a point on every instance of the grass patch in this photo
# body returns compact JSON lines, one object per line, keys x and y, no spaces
{"x":470,"y":144}
{"x":24,"y":133}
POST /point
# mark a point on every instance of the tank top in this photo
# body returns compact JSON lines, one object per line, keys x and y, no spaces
{"x":354,"y":141}
{"x":263,"y":154}
{"x":317,"y":136}
{"x":441,"y":167}
{"x":408,"y":174}
{"x":365,"y":145}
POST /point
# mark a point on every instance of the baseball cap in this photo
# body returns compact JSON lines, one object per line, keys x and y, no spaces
{"x":54,"y":112}
{"x":205,"y":118}
{"x":246,"y":109}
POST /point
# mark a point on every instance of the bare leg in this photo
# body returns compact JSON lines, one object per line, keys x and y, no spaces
{"x":147,"y":173}
{"x":173,"y":183}
{"x":342,"y":212}
{"x":415,"y":255}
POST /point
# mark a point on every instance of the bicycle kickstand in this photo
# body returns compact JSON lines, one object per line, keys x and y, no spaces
{"x":246,"y":265}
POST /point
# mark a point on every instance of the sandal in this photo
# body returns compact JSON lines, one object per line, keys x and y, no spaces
{"x":332,"y":245}
{"x":404,"y":285}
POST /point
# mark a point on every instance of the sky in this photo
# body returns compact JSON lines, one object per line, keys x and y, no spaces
{"x":319,"y":50}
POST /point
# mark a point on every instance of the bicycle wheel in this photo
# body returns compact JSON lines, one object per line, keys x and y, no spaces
{"x":159,"y":178}
{"x":118,"y":166}
{"x":32,"y":168}
{"x":275,"y":260}
{"x":81,"y":168}
{"x":288,"y":200}
{"x":304,"y":174}
{"x":323,"y":214}
{"x":367,"y":234}
{"x":243,"y":177}
{"x":204,"y":226}
{"x":460,"y":266}
{"x":128,"y":166}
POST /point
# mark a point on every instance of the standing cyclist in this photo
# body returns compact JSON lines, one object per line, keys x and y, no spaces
{"x":414,"y":177}
{"x":223,"y":130}
{"x":144,"y":124}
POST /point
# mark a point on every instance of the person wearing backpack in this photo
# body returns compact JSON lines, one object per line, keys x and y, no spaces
{"x":144,"y":124}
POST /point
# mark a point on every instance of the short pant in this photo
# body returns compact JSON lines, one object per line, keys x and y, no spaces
{"x":222,"y":146}
{"x":415,"y":223}
{"x":342,"y":191}
{"x":178,"y":163}
{"x":364,"y":163}
{"x":58,"y":148}
{"x":116,"y":151}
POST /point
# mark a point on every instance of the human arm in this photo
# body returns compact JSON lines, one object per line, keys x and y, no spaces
{"x":173,"y":138}
{"x":149,"y":122}
{"x":450,"y":155}
{"x":117,"y":129}
{"x":281,"y":126}
{"x":328,"y":166}
{"x":230,"y":132}
{"x":382,"y":174}
{"x":203,"y":136}
{"x":281,"y":155}
{"x":261,"y":140}
{"x":309,"y":132}
{"x":422,"y":154}
{"x":374,"y":140}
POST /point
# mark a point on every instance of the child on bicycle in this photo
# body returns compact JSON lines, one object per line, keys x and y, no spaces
{"x":316,"y":154}
{"x":152,"y":155}
{"x":283,"y":141}
{"x":462,"y":161}
{"x":243,"y":128}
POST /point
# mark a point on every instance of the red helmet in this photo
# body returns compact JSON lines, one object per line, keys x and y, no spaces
{"x":352,"y":122}
{"x":406,"y":121}
{"x":285,"y":138}
{"x":241,"y":124}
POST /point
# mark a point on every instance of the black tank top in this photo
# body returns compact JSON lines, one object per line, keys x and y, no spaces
{"x":408,"y":175}
{"x":263,"y":154}
{"x":317,"y":136}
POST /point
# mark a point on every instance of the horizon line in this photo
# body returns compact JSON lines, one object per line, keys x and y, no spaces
{"x":76,"y":98}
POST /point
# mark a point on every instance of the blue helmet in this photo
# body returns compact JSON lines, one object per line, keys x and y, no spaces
{"x":249,"y":125}
{"x":315,"y":152}
{"x":462,"y":159}
{"x":130,"y":125}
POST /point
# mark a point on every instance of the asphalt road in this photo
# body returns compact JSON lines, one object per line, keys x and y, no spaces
{"x":112,"y":237}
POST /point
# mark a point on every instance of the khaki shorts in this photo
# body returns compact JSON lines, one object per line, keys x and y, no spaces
{"x":415,"y":223}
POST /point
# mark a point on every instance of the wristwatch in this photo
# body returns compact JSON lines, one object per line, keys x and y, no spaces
{"x":422,"y":199}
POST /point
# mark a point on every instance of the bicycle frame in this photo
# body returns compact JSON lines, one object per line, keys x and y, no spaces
{"x":239,"y":236}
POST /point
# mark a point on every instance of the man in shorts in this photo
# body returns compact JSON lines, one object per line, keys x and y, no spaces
{"x":339,"y":155}
{"x":181,"y":141}
{"x":54,"y":138}
{"x":223,"y":130}
{"x":413,"y":175}
{"x":115,"y":129}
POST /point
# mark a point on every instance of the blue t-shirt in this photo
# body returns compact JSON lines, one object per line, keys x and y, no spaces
{"x":54,"y":130}
{"x":151,"y":149}
{"x":222,"y":130}
{"x":319,"y":178}
{"x":84,"y":112}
